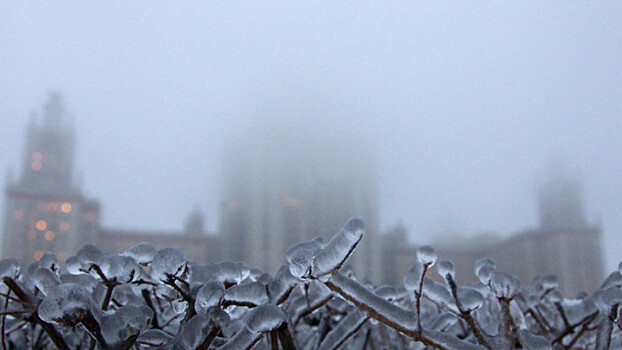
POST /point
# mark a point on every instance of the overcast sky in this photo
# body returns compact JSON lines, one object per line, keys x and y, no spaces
{"x":465,"y":102}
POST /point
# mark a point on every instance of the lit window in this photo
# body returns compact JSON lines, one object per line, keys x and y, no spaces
{"x":62,"y":256}
{"x":30,"y":235}
{"x":64,"y":226}
{"x":18,"y":215}
{"x":52,"y":206}
{"x":37,"y":255}
{"x":36,"y":165}
{"x":292,"y":202}
{"x":41,"y":225}
{"x":37,"y":156}
{"x":65,"y":208}
{"x":50,"y":235}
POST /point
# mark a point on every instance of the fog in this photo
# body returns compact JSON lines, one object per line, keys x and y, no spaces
{"x":463,"y":107}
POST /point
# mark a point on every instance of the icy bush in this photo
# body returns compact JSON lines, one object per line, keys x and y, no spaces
{"x":149,"y":299}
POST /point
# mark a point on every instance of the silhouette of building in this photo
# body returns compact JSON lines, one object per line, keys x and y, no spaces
{"x":284,"y":184}
{"x":44,"y":209}
{"x":564,"y":244}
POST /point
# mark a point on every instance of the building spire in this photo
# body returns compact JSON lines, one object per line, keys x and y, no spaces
{"x":54,"y":109}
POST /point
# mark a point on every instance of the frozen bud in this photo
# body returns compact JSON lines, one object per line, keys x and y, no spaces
{"x":73,"y":265}
{"x":336,"y":251}
{"x":504,"y":285}
{"x":143,"y":252}
{"x":49,"y":261}
{"x":122,"y":269}
{"x":438,"y":293}
{"x":264,"y":318}
{"x":484,"y":274}
{"x":66,"y":305}
{"x":10,"y":267}
{"x":229,"y":273}
{"x":168,"y":262}
{"x":209,"y":295}
{"x":549,"y":283}
{"x":446,"y":268}
{"x":413,"y":278}
{"x":45,"y":280}
{"x":127,"y":321}
{"x":89,"y":254}
{"x":555,"y":297}
{"x":470,"y":299}
{"x":300,"y":257}
{"x":194,"y":331}
{"x":426,"y":255}
{"x":482,"y":262}
{"x":250,"y":294}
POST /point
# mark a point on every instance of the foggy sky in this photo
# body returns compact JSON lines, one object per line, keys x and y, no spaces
{"x":465,"y":102}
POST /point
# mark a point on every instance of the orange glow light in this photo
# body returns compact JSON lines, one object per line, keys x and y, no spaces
{"x":65,"y":208}
{"x":37,"y":255}
{"x":41,"y":225}
{"x":50,"y":235}
{"x":36,"y":165}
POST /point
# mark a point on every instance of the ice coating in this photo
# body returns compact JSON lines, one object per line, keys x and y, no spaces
{"x":209,"y":295}
{"x":154,"y":337}
{"x":426,"y":255}
{"x":10,"y":267}
{"x":481,"y":262}
{"x":122,"y":269}
{"x":300,"y":257}
{"x":438,"y":293}
{"x":532,"y":341}
{"x":413,"y":278}
{"x":446,"y":267}
{"x":45,"y":280}
{"x":549,"y":283}
{"x":73,"y":265}
{"x":168,"y":261}
{"x":49,"y":261}
{"x":484,"y":274}
{"x":127,"y":321}
{"x":89,"y":254}
{"x":347,"y":326}
{"x":504,"y":285}
{"x":336,"y":251}
{"x":66,"y":304}
{"x":142,"y":252}
{"x":195,"y":331}
{"x":470,"y":299}
{"x":248,"y":294}
{"x":264,"y":318}
{"x":230,"y":273}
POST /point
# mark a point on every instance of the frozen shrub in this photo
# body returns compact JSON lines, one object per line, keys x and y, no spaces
{"x":148,"y":299}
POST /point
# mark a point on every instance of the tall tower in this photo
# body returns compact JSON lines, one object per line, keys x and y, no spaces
{"x":288,"y":182}
{"x":44,"y":210}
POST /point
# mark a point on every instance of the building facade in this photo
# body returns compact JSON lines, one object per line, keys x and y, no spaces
{"x":564,"y":244}
{"x":285,"y":187}
{"x":44,"y":209}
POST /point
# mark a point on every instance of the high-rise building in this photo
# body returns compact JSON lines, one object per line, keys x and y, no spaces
{"x":44,"y":209}
{"x":286,"y":183}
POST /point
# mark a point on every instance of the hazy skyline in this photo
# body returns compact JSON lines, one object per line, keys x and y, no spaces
{"x":465,"y":104}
